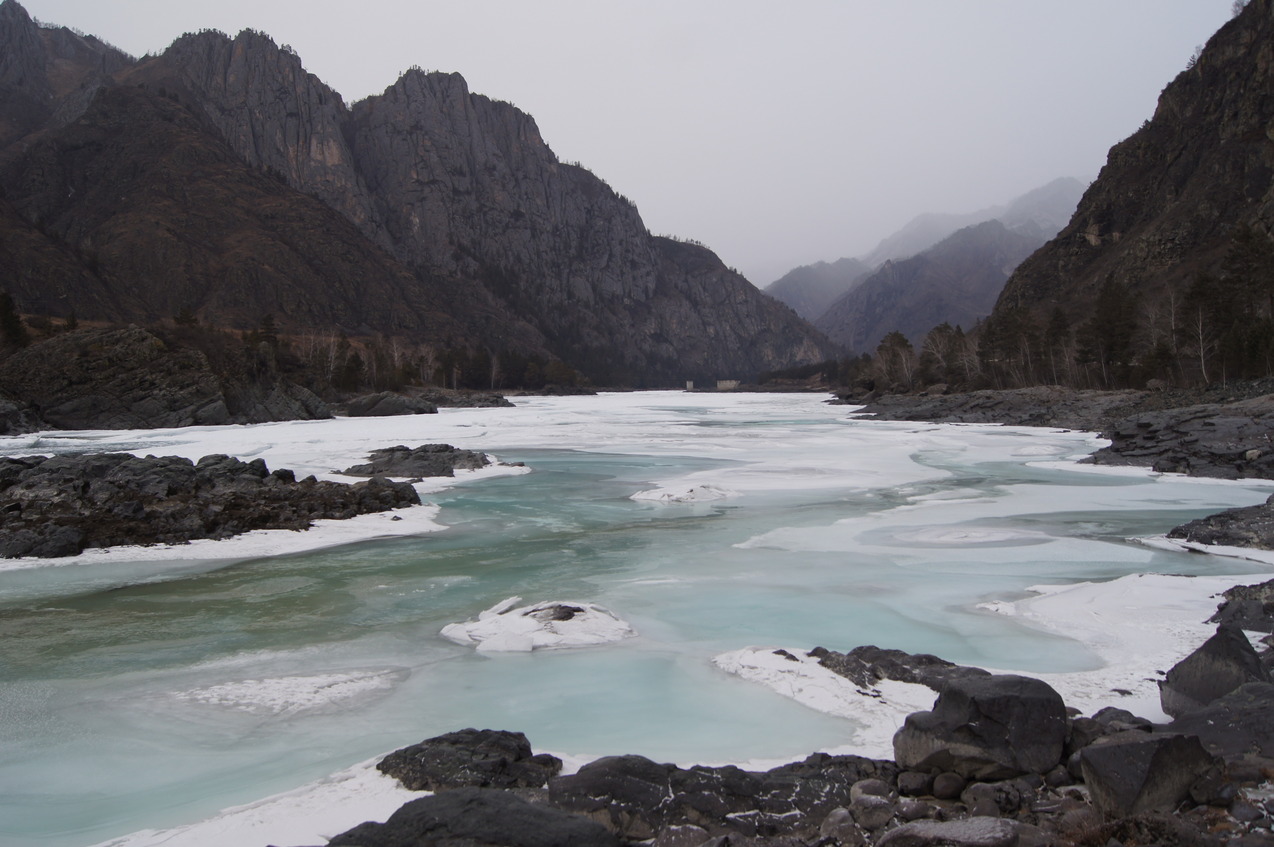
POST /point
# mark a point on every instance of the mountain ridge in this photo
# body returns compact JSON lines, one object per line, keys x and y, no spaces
{"x":508,"y":247}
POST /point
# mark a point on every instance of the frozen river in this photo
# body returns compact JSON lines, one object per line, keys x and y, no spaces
{"x":146,"y":689}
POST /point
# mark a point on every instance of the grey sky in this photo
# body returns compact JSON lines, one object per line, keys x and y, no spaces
{"x":779,"y":134}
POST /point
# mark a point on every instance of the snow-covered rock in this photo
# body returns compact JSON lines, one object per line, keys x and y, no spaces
{"x":507,"y":627}
{"x":703,"y":493}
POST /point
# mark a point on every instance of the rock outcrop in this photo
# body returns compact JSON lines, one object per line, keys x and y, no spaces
{"x":425,"y":460}
{"x":62,"y":505}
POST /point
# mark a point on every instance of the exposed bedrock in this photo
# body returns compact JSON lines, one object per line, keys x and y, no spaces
{"x":61,"y":505}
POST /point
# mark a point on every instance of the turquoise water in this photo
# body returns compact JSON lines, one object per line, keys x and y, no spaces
{"x":145,"y":695}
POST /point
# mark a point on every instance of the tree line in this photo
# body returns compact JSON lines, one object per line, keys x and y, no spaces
{"x":1217,"y":327}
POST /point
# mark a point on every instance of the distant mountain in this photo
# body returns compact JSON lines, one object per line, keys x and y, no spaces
{"x":957,"y":281}
{"x":1041,"y":212}
{"x":810,"y":289}
{"x":221,"y":180}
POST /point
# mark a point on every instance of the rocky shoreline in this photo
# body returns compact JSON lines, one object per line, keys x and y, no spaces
{"x":1223,"y":432}
{"x":998,"y":761}
{"x":62,"y":505}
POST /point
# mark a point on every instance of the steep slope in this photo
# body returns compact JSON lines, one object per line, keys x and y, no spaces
{"x":1172,"y":197}
{"x":957,"y":281}
{"x":47,"y":74}
{"x":810,"y":289}
{"x":461,"y":186}
{"x":427,"y":212}
{"x":167,"y":219}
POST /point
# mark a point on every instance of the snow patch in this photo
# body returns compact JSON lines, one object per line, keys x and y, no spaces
{"x":507,"y":627}
{"x":694,"y":494}
{"x":878,"y":711}
{"x":287,"y":695}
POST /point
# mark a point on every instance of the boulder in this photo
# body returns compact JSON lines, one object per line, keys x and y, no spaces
{"x":1136,"y":772}
{"x":482,"y":758}
{"x":478,"y":816}
{"x":986,"y":727}
{"x":969,"y":832}
{"x":1221,"y":664}
{"x":1238,"y":725}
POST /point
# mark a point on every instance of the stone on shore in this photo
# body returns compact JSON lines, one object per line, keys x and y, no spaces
{"x":991,"y":727}
{"x":478,"y":816}
{"x":1221,"y":664}
{"x":969,"y":832}
{"x":1136,"y":772}
{"x":482,"y":758}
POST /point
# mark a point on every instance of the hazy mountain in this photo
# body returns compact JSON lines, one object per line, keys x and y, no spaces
{"x":956,"y":281}
{"x":810,"y":289}
{"x":223,"y":179}
{"x":1041,"y":212}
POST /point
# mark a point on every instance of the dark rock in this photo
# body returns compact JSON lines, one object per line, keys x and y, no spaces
{"x":871,"y":811}
{"x":637,"y":798}
{"x":867,"y":665}
{"x":425,"y":460}
{"x":948,"y":785}
{"x":840,"y":827}
{"x":477,"y":817}
{"x":386,"y":404}
{"x":970,"y":832}
{"x":990,"y":727}
{"x":1239,"y":724}
{"x":915,"y":783}
{"x":60,"y":505}
{"x":1114,"y":719}
{"x":1248,"y":607}
{"x":1221,"y":664}
{"x":1135,"y":772}
{"x":481,"y":758}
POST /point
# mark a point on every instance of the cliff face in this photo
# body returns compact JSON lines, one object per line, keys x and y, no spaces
{"x":1172,"y":196}
{"x":956,"y":281}
{"x":456,"y":222}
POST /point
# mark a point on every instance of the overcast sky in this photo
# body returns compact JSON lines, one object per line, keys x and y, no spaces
{"x":779,"y":134}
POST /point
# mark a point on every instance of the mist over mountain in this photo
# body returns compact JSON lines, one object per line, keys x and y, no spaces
{"x":838,"y":298}
{"x":956,"y":281}
{"x":810,"y":289}
{"x":222,"y":181}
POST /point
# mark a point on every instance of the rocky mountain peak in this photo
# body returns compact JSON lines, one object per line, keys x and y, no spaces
{"x":492,"y":239}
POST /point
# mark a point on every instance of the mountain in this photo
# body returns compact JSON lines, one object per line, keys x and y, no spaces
{"x":957,"y":281}
{"x":222,"y":180}
{"x":1041,"y":212}
{"x":810,"y":289}
{"x":1175,"y":210}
